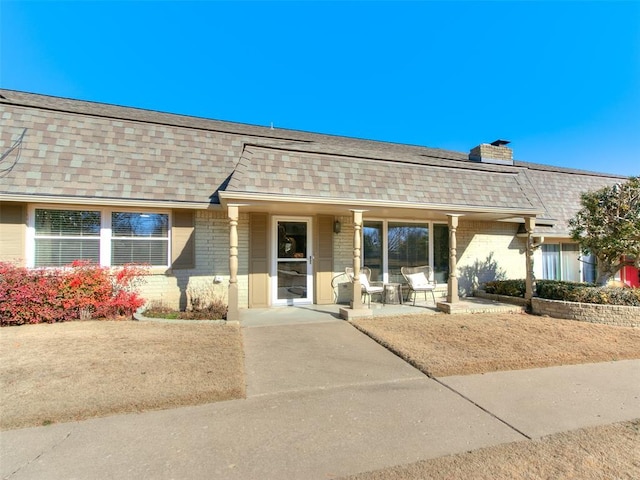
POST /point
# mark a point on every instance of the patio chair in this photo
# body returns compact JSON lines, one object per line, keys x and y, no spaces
{"x":367,"y":287}
{"x":336,"y":281}
{"x":419,"y":279}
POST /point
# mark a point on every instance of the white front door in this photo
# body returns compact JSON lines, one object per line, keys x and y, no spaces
{"x":292,"y":268}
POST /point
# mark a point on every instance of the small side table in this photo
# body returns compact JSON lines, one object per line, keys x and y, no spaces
{"x":393,"y":293}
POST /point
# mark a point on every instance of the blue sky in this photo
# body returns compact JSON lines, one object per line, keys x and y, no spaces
{"x":560,"y":80}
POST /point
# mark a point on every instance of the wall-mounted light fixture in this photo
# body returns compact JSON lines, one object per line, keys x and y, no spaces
{"x":337,"y":226}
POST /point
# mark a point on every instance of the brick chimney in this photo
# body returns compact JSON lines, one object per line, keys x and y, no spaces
{"x":495,"y":152}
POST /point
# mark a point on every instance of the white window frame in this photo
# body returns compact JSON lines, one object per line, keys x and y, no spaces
{"x":561,"y":253}
{"x":385,"y":247}
{"x":275,"y":301}
{"x":105,"y":230}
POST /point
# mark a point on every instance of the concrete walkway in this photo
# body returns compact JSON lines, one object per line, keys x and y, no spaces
{"x":325,"y":401}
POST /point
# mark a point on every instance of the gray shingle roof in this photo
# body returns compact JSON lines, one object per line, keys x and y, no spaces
{"x":559,"y":191}
{"x":265,"y":170}
{"x":44,"y":102}
{"x":86,"y":150}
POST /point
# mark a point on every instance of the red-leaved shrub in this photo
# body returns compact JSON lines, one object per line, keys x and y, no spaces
{"x":56,"y":295}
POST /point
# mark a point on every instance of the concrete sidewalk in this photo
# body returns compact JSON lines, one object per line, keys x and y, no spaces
{"x":326,"y":401}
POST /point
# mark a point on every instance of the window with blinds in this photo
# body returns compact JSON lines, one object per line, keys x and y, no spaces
{"x":62,"y":236}
{"x":110,"y":238}
{"x":139,"y":238}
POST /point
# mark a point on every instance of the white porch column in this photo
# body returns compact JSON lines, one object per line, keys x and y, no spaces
{"x":530,"y":285}
{"x":356,"y":300}
{"x":234,"y":310}
{"x":452,"y":285}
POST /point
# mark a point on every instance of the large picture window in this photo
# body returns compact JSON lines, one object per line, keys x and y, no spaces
{"x":372,"y":249}
{"x":106,"y":237}
{"x":407,"y":245}
{"x":390,"y":245}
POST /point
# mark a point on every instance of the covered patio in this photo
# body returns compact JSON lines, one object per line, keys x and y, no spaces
{"x":302,"y":314}
{"x":294,"y":233}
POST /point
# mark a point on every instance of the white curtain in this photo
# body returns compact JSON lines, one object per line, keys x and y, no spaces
{"x":551,"y":262}
{"x":570,"y":263}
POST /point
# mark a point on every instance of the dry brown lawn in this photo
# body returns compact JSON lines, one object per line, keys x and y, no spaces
{"x":596,"y":453}
{"x":442,"y":345}
{"x":76,"y":370}
{"x":71,"y":371}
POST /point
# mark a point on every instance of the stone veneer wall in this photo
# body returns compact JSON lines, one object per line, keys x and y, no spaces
{"x":212,"y":259}
{"x":618,"y":315}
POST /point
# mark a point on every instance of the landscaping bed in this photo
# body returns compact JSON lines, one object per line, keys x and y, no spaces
{"x":585,"y":302}
{"x":567,"y":291}
{"x":211,"y":310}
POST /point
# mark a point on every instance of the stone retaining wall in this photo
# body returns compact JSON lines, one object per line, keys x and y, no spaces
{"x":501,"y":298}
{"x":618,"y":315}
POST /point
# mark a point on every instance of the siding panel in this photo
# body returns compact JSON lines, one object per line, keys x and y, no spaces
{"x":258,"y":260}
{"x":183,"y":241}
{"x":323,"y":265}
{"x":12,"y":232}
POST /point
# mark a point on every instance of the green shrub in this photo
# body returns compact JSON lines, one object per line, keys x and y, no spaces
{"x":587,"y":293}
{"x":511,"y":288}
{"x":559,"y":290}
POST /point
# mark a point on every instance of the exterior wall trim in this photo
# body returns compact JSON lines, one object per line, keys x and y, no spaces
{"x":233,"y":196}
{"x":107,"y":202}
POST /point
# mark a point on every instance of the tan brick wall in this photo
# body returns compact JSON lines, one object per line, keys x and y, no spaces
{"x":486,"y":250}
{"x":488,"y":151}
{"x":617,"y":315}
{"x":212,"y":259}
{"x":478,"y":243}
{"x":343,"y":245}
{"x":342,"y":258}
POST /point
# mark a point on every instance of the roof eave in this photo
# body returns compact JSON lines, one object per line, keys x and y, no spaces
{"x":108,"y":202}
{"x":235,"y":198}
